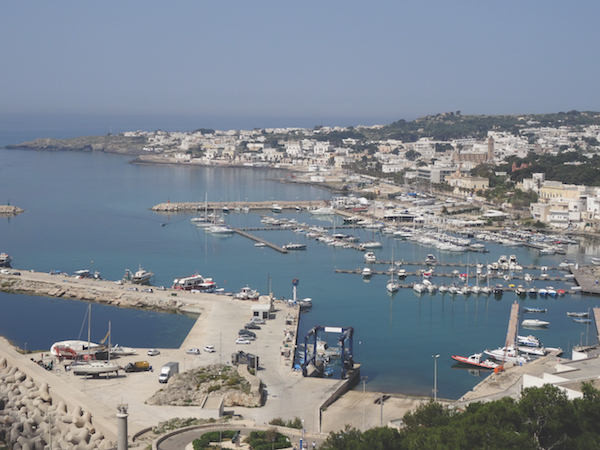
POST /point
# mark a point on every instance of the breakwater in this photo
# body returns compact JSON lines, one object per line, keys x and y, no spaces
{"x":99,"y":291}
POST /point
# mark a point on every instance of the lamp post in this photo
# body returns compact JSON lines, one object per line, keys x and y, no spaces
{"x":435,"y":358}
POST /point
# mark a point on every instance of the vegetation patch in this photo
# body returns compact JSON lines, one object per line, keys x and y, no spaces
{"x":266,"y":440}
{"x":204,"y":442}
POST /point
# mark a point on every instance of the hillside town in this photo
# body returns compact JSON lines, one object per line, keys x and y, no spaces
{"x":428,"y":164}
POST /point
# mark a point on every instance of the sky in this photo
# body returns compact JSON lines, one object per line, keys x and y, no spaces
{"x":245,"y":64}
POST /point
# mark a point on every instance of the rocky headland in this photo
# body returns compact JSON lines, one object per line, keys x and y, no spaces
{"x":117,"y":144}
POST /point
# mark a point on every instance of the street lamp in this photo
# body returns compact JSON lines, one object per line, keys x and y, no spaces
{"x":435,"y":358}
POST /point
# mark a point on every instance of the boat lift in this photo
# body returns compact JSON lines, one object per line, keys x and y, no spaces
{"x":346,"y":334}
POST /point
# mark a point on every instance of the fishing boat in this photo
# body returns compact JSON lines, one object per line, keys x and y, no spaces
{"x":475,"y":360}
{"x":247,"y":293}
{"x":535,"y":323}
{"x":141,"y":276}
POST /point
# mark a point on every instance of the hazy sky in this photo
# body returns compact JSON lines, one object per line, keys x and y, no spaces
{"x":297,"y":63}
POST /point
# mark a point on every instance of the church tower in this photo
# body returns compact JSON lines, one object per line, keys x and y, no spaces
{"x":490,"y":152}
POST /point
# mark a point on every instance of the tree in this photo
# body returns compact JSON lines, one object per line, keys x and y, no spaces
{"x":412,"y":155}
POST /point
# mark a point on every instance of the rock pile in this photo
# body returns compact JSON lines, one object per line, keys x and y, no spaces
{"x":30,"y":421}
{"x":190,"y":388}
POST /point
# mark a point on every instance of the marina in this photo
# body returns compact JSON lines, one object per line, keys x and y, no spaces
{"x":129,"y":236}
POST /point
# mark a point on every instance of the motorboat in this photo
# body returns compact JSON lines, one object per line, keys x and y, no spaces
{"x":247,"y":293}
{"x":370,"y":257}
{"x":535,"y":323}
{"x":401,"y":273}
{"x":582,"y":320}
{"x":443,"y":289}
{"x":520,"y":291}
{"x":367,"y":272}
{"x":578,"y":314}
{"x":324,"y":211}
{"x":475,"y":360}
{"x":220,"y":229}
{"x":276,"y":208}
{"x":371,"y":244}
{"x":534,"y":310}
{"x":5,"y":259}
{"x":194,"y":282}
{"x":419,"y":288}
{"x":532,"y":292}
{"x":430,"y":259}
{"x":507,"y":354}
{"x":122,"y":351}
{"x":294,"y":246}
{"x":541,"y":351}
{"x":528,"y":341}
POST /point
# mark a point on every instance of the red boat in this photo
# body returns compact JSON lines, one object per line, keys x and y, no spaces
{"x":475,"y":360}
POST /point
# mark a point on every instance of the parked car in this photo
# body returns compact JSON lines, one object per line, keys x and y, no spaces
{"x":148,"y":290}
{"x":193,"y":351}
{"x":251,"y":326}
{"x":209,"y":349}
{"x":242,"y":341}
{"x":245,"y":332}
{"x":258,"y":321}
{"x":153,"y":352}
{"x":16,"y":273}
{"x":161,"y":288}
{"x":132,"y":288}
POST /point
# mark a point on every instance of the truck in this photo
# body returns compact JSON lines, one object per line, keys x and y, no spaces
{"x":167,"y":371}
{"x":138,"y":366}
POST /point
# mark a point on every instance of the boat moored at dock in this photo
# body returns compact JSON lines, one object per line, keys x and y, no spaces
{"x":195,"y":282}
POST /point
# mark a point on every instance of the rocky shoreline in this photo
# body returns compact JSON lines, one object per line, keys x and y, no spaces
{"x":117,"y":144}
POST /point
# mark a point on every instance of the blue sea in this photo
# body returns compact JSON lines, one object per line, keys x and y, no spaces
{"x":92,"y":211}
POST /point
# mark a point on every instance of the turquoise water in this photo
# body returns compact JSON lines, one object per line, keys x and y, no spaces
{"x":92,"y":211}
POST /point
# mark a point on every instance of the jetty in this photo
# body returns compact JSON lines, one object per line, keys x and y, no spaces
{"x":193,"y":207}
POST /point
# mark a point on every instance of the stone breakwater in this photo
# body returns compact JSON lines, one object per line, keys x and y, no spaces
{"x":10,"y":211}
{"x":29,"y":419}
{"x":88,"y":290}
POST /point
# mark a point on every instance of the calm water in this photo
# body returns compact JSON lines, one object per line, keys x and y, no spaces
{"x":92,"y":211}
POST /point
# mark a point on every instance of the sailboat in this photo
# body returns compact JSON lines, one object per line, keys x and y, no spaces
{"x":95,"y":367}
{"x":392,"y":285}
{"x":203,"y":221}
